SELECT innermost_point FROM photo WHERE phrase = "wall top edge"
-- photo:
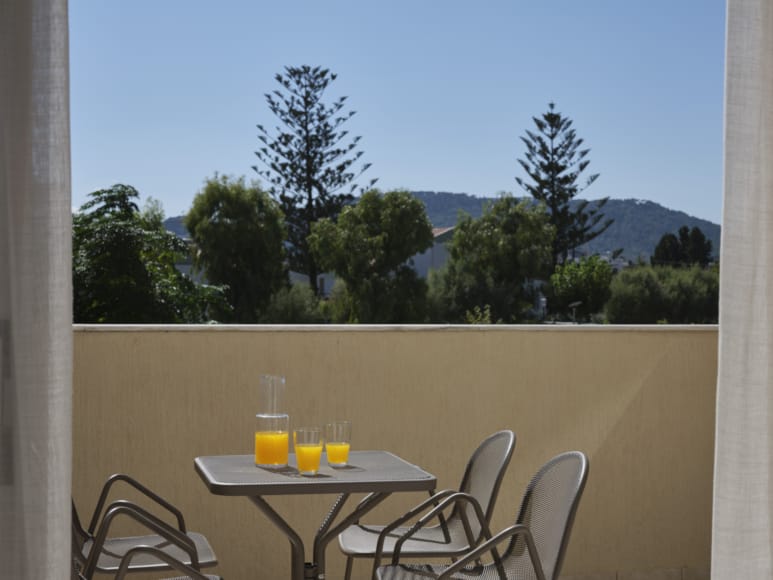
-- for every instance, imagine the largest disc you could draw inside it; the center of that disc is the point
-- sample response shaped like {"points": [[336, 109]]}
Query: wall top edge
{"points": [[607, 328]]}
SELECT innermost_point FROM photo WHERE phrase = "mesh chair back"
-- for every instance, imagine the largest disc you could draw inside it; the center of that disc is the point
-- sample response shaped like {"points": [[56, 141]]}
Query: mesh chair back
{"points": [[485, 471], [548, 509]]}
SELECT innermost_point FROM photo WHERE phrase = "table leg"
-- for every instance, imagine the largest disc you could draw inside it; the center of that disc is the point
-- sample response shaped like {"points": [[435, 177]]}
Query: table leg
{"points": [[297, 556], [325, 534]]}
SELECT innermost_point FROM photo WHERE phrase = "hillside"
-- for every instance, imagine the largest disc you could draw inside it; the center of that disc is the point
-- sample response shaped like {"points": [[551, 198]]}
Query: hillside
{"points": [[638, 225], [637, 228]]}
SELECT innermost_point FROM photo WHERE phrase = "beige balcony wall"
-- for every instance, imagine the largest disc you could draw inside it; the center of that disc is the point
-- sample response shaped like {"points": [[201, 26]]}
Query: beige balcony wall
{"points": [[638, 400]]}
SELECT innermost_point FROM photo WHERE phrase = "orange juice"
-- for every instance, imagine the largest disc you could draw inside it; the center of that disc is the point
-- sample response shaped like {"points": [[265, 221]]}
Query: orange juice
{"points": [[271, 448], [308, 456], [337, 453]]}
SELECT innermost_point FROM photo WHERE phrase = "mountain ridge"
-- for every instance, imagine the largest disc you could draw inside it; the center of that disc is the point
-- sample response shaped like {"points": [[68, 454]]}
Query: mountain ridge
{"points": [[637, 228]]}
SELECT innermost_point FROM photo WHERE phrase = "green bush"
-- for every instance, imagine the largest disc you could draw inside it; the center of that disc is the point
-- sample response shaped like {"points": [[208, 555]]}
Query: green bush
{"points": [[293, 305], [650, 295]]}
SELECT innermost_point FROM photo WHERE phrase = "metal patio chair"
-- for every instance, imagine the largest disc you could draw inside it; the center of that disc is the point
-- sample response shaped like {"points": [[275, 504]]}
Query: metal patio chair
{"points": [[449, 536], [537, 541], [94, 550]]}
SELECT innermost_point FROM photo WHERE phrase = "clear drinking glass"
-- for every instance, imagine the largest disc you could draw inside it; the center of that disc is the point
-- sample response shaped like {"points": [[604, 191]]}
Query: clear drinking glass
{"points": [[338, 437]]}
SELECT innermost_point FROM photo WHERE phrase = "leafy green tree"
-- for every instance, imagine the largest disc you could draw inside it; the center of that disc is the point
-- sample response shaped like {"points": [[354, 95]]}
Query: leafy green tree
{"points": [[554, 162], [584, 283], [294, 304], [124, 265], [238, 234], [648, 295], [309, 163], [370, 249], [690, 247], [492, 261]]}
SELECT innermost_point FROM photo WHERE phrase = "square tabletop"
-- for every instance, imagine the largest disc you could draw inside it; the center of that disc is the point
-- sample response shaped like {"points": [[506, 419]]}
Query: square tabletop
{"points": [[368, 471]]}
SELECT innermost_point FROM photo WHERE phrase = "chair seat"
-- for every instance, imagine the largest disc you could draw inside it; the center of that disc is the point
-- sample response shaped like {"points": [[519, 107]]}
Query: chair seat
{"points": [[115, 548], [207, 576], [425, 571], [359, 540]]}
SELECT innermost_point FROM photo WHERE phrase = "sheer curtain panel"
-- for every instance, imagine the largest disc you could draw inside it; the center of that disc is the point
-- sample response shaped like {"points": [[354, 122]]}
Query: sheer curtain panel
{"points": [[742, 539], [35, 291]]}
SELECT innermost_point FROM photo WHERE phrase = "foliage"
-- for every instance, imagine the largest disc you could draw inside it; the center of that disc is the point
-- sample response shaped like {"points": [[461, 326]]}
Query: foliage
{"points": [[124, 265], [554, 162], [338, 307], [492, 259], [370, 249], [308, 164], [690, 247], [295, 304], [584, 284], [652, 294], [478, 315], [238, 235]]}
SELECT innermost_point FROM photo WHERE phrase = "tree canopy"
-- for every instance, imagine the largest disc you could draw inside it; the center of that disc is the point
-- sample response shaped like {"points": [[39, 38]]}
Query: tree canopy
{"points": [[554, 162], [370, 249], [579, 289], [124, 265], [690, 247], [309, 162], [492, 259], [238, 234]]}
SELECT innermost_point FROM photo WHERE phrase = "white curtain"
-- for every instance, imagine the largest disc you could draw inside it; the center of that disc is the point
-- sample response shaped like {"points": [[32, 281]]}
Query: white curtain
{"points": [[742, 539], [35, 291]]}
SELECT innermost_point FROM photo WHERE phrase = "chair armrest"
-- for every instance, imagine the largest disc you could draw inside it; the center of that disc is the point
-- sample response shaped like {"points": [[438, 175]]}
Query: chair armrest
{"points": [[173, 563], [455, 500], [452, 499], [432, 500], [138, 486], [490, 546], [152, 522]]}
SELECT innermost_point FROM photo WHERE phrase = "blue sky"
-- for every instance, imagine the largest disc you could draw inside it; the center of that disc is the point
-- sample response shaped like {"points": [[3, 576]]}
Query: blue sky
{"points": [[164, 93]]}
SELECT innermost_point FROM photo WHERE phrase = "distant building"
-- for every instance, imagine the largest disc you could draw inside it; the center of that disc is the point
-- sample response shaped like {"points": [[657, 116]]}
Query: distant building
{"points": [[437, 255]]}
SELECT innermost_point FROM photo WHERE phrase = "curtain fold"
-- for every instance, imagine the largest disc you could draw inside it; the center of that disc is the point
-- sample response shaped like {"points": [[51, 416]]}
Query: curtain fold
{"points": [[35, 291], [742, 535]]}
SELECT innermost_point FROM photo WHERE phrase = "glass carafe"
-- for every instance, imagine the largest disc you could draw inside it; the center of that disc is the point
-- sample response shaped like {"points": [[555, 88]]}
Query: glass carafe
{"points": [[272, 424]]}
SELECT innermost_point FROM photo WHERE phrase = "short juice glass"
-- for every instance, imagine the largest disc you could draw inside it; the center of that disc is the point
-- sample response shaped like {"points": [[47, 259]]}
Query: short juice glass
{"points": [[308, 449], [272, 441], [338, 436]]}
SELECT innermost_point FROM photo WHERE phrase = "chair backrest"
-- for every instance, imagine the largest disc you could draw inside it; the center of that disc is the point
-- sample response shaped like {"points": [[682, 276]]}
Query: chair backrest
{"points": [[486, 468], [548, 510]]}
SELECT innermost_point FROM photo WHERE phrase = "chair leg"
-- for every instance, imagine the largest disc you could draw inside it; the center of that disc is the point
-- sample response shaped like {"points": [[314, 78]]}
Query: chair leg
{"points": [[348, 574]]}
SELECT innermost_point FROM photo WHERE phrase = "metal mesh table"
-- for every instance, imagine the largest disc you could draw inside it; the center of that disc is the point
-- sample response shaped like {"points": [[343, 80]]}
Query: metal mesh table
{"points": [[378, 473]]}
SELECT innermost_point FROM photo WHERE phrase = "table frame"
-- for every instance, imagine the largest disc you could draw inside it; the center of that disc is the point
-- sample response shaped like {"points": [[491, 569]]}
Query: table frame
{"points": [[377, 473]]}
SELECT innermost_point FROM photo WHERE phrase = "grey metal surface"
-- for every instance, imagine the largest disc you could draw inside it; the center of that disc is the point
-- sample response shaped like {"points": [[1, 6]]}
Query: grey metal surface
{"points": [[368, 471]]}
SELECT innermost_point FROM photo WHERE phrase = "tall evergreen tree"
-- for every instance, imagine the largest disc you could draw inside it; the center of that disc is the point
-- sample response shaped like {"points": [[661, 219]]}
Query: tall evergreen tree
{"points": [[554, 162], [308, 164]]}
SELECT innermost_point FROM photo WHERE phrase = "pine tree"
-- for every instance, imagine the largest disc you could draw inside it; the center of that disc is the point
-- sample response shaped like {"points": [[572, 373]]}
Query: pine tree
{"points": [[554, 162], [309, 163]]}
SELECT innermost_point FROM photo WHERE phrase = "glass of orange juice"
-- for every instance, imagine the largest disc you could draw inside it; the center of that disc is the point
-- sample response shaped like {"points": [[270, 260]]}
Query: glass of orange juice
{"points": [[308, 449], [271, 440], [338, 436]]}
